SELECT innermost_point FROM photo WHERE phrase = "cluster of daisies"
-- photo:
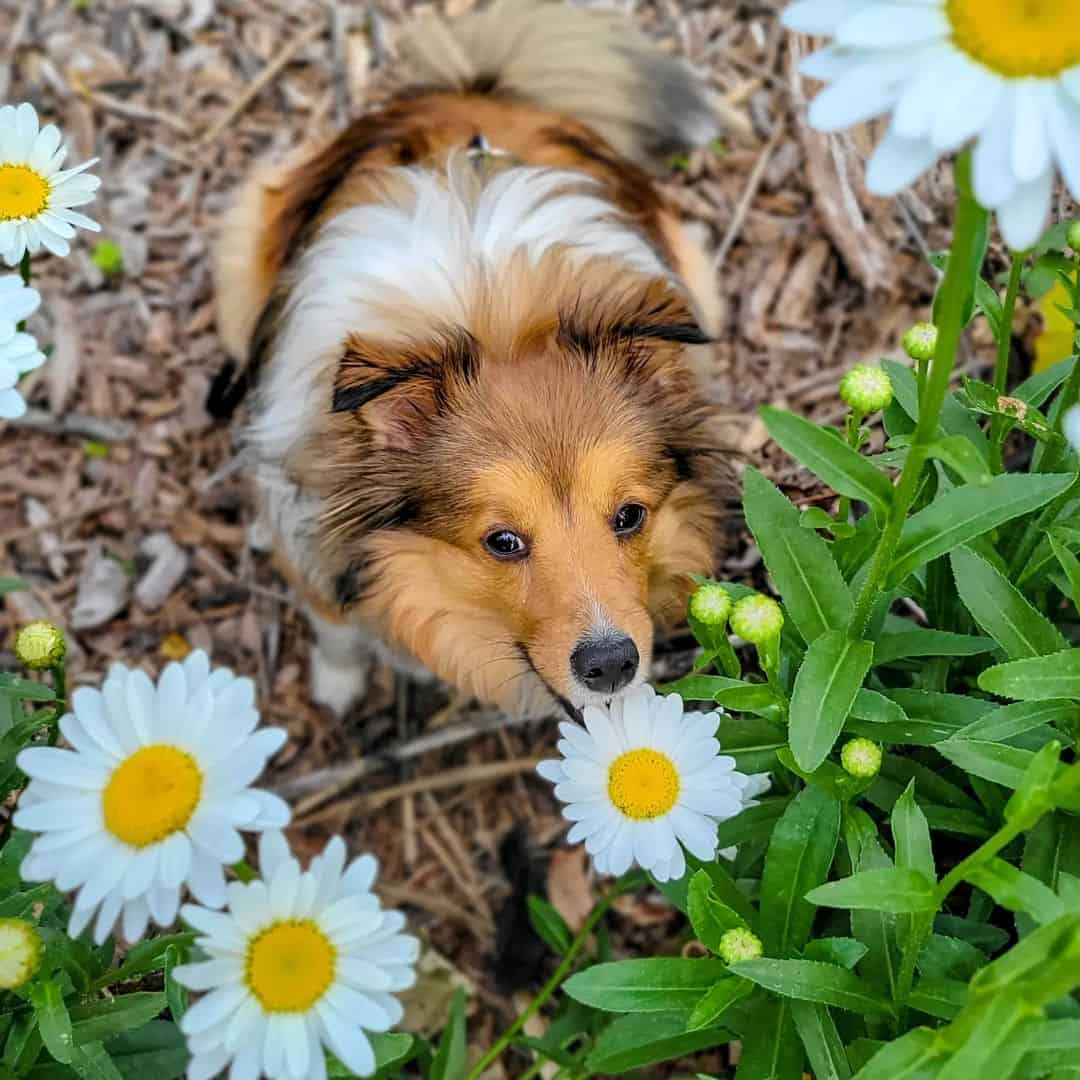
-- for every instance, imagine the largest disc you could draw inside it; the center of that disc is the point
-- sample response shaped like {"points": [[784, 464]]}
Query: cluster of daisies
{"points": [[150, 802], [37, 200]]}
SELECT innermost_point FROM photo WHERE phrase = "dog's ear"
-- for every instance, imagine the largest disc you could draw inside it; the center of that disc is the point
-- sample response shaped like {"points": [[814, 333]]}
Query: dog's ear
{"points": [[398, 391]]}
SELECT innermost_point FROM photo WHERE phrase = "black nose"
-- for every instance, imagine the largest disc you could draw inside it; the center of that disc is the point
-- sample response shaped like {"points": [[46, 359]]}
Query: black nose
{"points": [[606, 665]]}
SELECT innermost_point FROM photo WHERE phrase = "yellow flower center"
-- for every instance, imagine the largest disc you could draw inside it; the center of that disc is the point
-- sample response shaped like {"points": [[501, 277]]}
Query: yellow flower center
{"points": [[643, 784], [290, 965], [1016, 38], [152, 795], [24, 192]]}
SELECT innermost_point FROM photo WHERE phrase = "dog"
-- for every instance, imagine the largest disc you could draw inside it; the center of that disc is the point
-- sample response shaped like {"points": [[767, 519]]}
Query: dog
{"points": [[480, 434]]}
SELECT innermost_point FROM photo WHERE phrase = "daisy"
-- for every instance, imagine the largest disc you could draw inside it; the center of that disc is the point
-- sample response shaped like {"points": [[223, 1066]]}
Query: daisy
{"points": [[299, 962], [19, 353], [642, 780], [36, 195], [151, 796], [1002, 73]]}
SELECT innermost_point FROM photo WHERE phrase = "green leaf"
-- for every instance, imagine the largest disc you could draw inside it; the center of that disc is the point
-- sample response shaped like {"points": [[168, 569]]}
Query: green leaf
{"points": [[973, 932], [53, 1020], [25, 689], [771, 1048], [905, 1058], [845, 470], [876, 708], [754, 823], [845, 951], [716, 1001], [1055, 1044], [809, 980], [392, 1048], [635, 1042], [919, 642], [821, 1040], [966, 512], [710, 917], [894, 889], [149, 956], [550, 926], [731, 693], [450, 1062], [1001, 609], [948, 957], [157, 1050], [911, 836], [1008, 721], [101, 1020], [926, 717], [723, 885], [1070, 564], [178, 996], [92, 1062], [984, 399], [799, 856], [992, 761], [989, 1046], [1034, 794], [1036, 679], [657, 984], [1017, 891], [961, 456], [799, 562], [825, 687], [989, 303], [943, 998], [753, 742]]}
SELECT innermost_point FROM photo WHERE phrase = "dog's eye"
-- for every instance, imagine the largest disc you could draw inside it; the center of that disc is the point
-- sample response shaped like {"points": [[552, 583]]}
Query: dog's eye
{"points": [[507, 545], [628, 519]]}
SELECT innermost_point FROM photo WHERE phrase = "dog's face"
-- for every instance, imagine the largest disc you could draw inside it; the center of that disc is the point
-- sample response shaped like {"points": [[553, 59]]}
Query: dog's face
{"points": [[518, 510]]}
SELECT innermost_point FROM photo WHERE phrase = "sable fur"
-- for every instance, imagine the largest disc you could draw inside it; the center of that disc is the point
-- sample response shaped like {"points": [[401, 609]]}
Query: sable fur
{"points": [[447, 344]]}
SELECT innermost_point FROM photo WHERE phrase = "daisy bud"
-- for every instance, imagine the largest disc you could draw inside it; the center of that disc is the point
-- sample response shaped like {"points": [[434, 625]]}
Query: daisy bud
{"points": [[921, 341], [710, 604], [757, 619], [861, 758], [866, 389], [1070, 427], [108, 257], [739, 944], [1073, 235], [39, 645], [20, 952]]}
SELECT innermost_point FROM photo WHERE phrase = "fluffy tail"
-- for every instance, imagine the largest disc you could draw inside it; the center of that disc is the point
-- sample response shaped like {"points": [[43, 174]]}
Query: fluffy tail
{"points": [[592, 65]]}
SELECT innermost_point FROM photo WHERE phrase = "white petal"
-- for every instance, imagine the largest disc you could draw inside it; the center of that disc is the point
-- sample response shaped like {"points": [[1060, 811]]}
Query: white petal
{"points": [[820, 17], [697, 833], [1031, 144], [975, 95], [273, 851], [861, 94], [212, 1009], [209, 974], [889, 26], [1064, 126], [992, 174], [349, 1044], [62, 767], [175, 859], [1023, 216]]}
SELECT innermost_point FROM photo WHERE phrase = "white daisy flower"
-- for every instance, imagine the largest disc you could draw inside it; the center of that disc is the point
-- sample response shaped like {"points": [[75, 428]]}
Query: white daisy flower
{"points": [[1002, 73], [36, 195], [299, 961], [642, 778], [151, 796], [19, 352], [1070, 426]]}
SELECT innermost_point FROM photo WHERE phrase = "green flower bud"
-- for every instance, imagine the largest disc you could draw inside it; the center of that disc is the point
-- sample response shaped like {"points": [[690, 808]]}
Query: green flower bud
{"points": [[861, 758], [20, 952], [757, 619], [710, 604], [1073, 235], [866, 389], [39, 645], [739, 944], [921, 341], [108, 257]]}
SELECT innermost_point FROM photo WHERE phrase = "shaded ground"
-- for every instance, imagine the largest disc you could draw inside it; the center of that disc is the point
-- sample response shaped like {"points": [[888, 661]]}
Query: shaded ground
{"points": [[118, 466]]}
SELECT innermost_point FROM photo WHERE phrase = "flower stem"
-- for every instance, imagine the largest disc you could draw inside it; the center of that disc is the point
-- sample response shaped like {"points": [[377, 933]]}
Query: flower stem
{"points": [[998, 426], [956, 290], [549, 988], [27, 274]]}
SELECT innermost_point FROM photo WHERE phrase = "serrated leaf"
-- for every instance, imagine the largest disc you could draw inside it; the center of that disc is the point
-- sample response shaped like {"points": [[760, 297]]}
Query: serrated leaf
{"points": [[1070, 564], [822, 1042], [53, 1020], [843, 469], [101, 1020], [657, 984], [1038, 679], [893, 889], [771, 1048], [960, 456], [845, 951], [992, 761], [911, 835], [709, 916], [635, 1042], [1001, 610], [799, 562], [1017, 891], [919, 642], [1008, 721], [831, 675], [799, 856], [965, 513], [943, 998], [716, 1001]]}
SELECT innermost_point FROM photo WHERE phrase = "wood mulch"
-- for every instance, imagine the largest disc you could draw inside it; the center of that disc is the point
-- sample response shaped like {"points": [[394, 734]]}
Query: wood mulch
{"points": [[122, 505]]}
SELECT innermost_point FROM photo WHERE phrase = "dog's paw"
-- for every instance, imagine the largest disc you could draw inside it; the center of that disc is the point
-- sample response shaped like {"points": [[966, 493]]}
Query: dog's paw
{"points": [[335, 686]]}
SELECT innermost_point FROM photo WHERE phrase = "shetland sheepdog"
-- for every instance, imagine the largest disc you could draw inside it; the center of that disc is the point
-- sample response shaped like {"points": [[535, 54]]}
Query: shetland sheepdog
{"points": [[479, 434]]}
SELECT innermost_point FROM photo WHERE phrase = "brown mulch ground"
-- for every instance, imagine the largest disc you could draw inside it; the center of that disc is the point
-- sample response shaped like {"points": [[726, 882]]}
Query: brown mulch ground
{"points": [[122, 506]]}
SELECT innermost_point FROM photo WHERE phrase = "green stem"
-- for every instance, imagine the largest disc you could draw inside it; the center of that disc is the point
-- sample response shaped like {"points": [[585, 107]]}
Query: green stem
{"points": [[27, 274], [956, 290], [999, 428], [550, 986], [243, 871], [984, 853]]}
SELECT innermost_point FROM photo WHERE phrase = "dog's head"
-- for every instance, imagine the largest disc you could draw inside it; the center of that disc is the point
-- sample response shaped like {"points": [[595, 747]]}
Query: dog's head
{"points": [[518, 499]]}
